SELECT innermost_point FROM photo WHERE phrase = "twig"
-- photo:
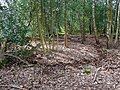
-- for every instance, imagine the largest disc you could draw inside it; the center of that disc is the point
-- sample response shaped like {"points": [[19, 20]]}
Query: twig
{"points": [[17, 58], [95, 76]]}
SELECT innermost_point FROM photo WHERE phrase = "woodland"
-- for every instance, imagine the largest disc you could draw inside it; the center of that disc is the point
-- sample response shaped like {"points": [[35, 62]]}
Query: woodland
{"points": [[59, 44]]}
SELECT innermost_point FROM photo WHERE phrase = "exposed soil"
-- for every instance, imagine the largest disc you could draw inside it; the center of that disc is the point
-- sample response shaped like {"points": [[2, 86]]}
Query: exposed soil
{"points": [[78, 67]]}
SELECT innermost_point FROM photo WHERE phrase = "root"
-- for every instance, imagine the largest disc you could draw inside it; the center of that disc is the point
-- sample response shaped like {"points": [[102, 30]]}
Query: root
{"points": [[17, 58]]}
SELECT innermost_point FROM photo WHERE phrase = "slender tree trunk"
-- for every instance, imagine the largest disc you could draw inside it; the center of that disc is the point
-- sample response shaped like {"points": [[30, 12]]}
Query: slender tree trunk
{"points": [[90, 26], [39, 24], [79, 21], [43, 21], [116, 14], [51, 37], [109, 25], [118, 22], [57, 21], [65, 25], [94, 22], [83, 25], [105, 18], [51, 21], [51, 24], [71, 25], [1, 42]]}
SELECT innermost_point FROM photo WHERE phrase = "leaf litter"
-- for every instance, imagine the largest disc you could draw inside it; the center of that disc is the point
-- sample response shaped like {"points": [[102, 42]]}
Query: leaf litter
{"points": [[65, 70]]}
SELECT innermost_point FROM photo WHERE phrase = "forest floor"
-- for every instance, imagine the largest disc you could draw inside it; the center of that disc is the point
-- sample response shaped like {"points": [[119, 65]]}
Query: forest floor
{"points": [[78, 67]]}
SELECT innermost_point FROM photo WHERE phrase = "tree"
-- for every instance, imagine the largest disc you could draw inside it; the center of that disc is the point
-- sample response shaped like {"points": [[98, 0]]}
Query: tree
{"points": [[57, 21], [65, 24], [109, 25], [71, 17], [51, 24], [83, 23], [94, 22], [118, 22]]}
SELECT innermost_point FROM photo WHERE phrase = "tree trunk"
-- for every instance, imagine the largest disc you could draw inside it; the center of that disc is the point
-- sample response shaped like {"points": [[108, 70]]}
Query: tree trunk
{"points": [[105, 18], [117, 30], [43, 21], [57, 21], [94, 22], [109, 25], [116, 14], [90, 26], [65, 26], [40, 27], [83, 23], [79, 20], [51, 27]]}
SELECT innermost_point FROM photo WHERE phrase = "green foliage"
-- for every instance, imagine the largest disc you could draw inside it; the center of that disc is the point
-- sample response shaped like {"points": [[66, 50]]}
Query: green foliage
{"points": [[14, 26], [87, 71], [61, 32], [19, 20], [3, 62]]}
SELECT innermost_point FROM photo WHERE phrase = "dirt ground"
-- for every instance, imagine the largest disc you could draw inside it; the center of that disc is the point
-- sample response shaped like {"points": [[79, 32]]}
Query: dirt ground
{"points": [[78, 67]]}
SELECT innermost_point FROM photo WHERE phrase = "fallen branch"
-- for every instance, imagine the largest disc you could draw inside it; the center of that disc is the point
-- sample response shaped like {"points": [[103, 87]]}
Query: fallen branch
{"points": [[12, 86], [95, 76], [17, 58]]}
